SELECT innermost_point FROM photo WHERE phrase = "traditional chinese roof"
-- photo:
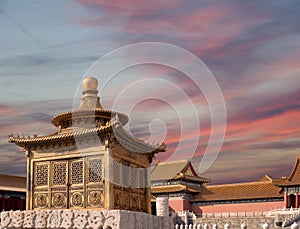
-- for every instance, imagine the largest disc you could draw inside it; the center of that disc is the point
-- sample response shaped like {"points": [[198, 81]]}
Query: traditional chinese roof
{"points": [[293, 179], [12, 183], [176, 170], [88, 122], [262, 189]]}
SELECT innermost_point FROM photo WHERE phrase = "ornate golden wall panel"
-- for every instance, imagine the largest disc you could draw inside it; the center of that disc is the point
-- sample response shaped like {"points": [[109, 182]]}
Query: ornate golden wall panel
{"points": [[72, 183]]}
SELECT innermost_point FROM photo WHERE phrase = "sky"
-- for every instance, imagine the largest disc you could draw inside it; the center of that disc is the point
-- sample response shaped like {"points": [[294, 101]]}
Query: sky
{"points": [[251, 48]]}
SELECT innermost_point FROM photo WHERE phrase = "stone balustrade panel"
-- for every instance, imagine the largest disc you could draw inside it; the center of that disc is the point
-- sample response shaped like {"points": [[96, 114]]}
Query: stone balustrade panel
{"points": [[80, 219]]}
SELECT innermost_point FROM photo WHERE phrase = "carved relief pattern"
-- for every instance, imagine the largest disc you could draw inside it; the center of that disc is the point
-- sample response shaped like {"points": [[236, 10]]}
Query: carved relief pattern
{"points": [[41, 174], [134, 202], [117, 200], [95, 170], [95, 198], [76, 172], [125, 200], [59, 173], [41, 200], [58, 200], [77, 199], [92, 219]]}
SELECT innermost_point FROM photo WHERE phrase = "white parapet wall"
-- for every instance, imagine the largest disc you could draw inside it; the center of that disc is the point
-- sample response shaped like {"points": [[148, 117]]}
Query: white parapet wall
{"points": [[81, 219]]}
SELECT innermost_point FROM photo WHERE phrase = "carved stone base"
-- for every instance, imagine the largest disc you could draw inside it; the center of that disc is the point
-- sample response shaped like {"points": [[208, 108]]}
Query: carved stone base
{"points": [[80, 219]]}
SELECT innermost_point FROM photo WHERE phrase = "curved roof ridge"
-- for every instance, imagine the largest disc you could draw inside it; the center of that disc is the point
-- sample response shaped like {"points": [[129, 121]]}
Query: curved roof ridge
{"points": [[125, 136], [239, 184], [171, 162]]}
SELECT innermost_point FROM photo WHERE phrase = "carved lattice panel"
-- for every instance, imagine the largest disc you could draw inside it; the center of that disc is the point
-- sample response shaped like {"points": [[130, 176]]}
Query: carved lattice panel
{"points": [[116, 172], [134, 177], [95, 170], [59, 173], [76, 173], [41, 174], [142, 173], [126, 175]]}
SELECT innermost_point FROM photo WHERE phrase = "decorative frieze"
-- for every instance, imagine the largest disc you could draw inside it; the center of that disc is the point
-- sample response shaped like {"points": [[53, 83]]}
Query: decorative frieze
{"points": [[80, 219]]}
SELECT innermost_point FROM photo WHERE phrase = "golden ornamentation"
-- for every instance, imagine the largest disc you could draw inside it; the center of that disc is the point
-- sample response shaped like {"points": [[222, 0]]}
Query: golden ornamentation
{"points": [[95, 198], [59, 173], [134, 202], [126, 200], [116, 172], [117, 200], [76, 199], [41, 174], [95, 168], [41, 200], [58, 200], [76, 172]]}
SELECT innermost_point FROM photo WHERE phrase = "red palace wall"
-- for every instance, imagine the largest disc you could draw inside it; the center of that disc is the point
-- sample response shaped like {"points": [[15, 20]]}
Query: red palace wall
{"points": [[179, 204], [238, 207]]}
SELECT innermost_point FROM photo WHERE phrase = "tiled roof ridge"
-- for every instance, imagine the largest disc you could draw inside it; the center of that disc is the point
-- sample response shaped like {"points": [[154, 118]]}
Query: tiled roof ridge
{"points": [[239, 184], [294, 169], [57, 135]]}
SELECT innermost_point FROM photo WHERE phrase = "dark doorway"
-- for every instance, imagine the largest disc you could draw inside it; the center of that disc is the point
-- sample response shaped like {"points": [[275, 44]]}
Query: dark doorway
{"points": [[292, 201]]}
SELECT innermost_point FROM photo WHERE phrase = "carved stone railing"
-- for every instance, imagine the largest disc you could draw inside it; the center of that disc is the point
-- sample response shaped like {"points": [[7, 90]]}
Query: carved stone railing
{"points": [[80, 219]]}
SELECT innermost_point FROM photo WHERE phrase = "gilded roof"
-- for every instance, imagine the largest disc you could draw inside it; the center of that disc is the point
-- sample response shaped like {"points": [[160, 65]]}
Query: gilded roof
{"points": [[293, 179], [239, 191], [57, 120], [12, 183], [114, 126], [175, 170]]}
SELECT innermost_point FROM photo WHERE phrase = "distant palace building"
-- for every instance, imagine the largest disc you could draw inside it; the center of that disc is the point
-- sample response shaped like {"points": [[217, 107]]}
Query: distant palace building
{"points": [[188, 191], [12, 192]]}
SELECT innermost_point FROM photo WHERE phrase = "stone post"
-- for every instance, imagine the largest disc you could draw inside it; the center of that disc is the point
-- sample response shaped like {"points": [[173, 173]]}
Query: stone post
{"points": [[265, 225], [162, 206], [226, 226], [295, 226], [243, 226]]}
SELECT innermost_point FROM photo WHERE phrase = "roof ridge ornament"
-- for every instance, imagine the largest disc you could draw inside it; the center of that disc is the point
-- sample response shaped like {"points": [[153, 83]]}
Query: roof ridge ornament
{"points": [[90, 99]]}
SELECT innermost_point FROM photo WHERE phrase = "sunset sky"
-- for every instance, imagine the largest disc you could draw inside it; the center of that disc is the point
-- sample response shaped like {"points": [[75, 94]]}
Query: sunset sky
{"points": [[252, 48]]}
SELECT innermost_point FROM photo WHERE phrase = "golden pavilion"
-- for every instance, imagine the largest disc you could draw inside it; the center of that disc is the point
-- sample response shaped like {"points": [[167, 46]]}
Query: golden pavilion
{"points": [[89, 162]]}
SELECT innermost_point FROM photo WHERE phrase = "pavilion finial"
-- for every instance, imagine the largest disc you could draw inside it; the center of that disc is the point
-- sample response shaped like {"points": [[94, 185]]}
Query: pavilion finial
{"points": [[90, 99]]}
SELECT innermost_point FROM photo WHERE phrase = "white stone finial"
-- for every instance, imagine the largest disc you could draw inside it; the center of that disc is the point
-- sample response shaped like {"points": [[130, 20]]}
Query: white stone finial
{"points": [[90, 99], [90, 83]]}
